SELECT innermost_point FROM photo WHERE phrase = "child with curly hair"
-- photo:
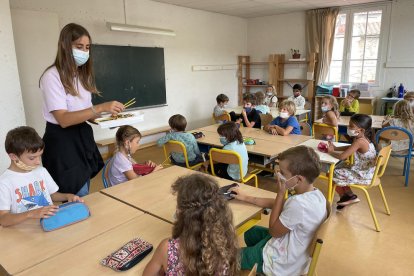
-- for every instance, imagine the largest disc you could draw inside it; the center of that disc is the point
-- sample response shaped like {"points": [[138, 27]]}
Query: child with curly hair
{"points": [[203, 239]]}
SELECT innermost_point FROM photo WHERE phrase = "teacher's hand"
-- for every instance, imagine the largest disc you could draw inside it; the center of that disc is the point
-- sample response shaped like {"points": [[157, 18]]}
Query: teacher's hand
{"points": [[112, 107]]}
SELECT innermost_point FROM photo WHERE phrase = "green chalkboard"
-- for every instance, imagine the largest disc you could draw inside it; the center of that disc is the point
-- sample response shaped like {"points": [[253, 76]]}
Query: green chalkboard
{"points": [[126, 72]]}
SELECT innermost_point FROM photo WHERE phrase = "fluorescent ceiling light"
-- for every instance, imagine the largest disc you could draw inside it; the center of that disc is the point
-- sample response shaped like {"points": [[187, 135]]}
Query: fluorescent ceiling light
{"points": [[139, 29]]}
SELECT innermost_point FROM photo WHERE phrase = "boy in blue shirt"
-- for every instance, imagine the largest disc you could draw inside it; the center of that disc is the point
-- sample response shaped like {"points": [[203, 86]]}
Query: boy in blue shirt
{"points": [[286, 123]]}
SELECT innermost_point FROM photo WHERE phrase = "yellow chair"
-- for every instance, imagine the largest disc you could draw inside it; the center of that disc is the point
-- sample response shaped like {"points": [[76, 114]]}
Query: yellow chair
{"points": [[380, 165], [230, 157], [266, 119], [223, 117], [320, 129], [178, 147], [308, 106], [317, 242]]}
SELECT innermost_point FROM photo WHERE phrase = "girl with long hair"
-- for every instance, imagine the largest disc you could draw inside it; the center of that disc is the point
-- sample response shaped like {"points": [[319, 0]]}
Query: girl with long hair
{"points": [[71, 155], [203, 239]]}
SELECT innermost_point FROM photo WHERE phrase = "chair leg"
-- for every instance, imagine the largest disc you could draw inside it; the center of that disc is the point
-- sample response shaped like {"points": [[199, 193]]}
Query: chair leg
{"points": [[377, 227], [405, 168], [256, 183], [387, 209], [407, 171]]}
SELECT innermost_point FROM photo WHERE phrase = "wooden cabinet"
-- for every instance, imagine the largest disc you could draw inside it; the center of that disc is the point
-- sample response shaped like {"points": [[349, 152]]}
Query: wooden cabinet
{"points": [[366, 106]]}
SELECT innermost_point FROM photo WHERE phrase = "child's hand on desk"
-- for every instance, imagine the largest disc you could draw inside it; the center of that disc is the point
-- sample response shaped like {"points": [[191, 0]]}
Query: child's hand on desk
{"points": [[150, 163], [73, 198], [43, 212], [238, 194], [157, 168]]}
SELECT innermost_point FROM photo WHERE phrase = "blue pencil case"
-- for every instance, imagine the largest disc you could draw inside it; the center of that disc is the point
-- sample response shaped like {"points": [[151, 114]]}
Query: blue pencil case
{"points": [[68, 213]]}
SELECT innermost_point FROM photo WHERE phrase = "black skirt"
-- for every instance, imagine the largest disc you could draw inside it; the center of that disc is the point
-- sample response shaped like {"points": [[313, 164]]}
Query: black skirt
{"points": [[71, 156]]}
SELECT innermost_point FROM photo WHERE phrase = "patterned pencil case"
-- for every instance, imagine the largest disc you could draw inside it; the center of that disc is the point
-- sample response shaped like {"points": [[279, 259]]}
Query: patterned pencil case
{"points": [[142, 169], [128, 255], [68, 213]]}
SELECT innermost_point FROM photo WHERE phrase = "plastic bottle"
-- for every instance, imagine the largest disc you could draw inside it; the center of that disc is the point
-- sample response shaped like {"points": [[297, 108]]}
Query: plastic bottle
{"points": [[400, 91]]}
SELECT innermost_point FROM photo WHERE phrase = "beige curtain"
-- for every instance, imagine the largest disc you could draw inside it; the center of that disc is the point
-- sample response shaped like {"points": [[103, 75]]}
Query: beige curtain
{"points": [[320, 32]]}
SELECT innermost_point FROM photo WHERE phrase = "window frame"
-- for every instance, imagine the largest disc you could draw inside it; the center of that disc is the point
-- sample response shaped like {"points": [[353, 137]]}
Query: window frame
{"points": [[349, 11]]}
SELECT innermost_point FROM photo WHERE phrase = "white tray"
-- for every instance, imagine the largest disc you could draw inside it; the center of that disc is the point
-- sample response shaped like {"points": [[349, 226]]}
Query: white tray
{"points": [[138, 117]]}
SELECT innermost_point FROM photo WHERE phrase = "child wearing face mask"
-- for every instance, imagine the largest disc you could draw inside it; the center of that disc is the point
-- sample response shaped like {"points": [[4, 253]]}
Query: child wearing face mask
{"points": [[282, 249], [27, 190], [121, 166], [271, 98], [249, 116], [329, 107], [362, 170], [178, 123], [286, 123], [297, 97], [232, 139]]}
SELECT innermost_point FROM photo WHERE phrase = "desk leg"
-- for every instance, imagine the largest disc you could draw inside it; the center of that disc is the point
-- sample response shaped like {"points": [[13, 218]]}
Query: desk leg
{"points": [[330, 181]]}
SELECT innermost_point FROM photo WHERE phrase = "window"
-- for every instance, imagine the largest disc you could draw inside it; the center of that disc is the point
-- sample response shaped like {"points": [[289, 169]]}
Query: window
{"points": [[356, 49]]}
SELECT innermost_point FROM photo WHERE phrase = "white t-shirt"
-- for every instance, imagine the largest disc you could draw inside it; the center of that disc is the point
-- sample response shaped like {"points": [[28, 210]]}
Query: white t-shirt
{"points": [[299, 101], [302, 215], [270, 99], [21, 192]]}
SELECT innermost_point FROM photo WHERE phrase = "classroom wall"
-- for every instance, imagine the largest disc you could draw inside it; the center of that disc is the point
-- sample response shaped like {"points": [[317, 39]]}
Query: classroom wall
{"points": [[11, 102], [203, 38], [280, 33]]}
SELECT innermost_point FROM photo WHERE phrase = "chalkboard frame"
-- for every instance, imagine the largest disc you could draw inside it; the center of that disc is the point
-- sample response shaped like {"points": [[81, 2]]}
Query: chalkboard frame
{"points": [[139, 72]]}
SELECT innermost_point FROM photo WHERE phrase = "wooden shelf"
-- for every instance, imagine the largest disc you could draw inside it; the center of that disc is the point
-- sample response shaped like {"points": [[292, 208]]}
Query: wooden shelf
{"points": [[255, 63], [295, 80], [295, 62], [254, 85]]}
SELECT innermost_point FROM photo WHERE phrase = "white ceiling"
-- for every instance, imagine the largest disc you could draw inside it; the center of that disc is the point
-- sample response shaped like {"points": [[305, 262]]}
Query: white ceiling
{"points": [[257, 8]]}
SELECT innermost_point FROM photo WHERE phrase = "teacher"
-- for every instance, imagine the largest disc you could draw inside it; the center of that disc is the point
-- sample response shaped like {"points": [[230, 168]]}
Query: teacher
{"points": [[71, 155]]}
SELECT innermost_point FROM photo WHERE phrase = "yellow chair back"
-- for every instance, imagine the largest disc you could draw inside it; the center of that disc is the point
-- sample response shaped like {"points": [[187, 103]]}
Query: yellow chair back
{"points": [[177, 147], [223, 117], [320, 129], [229, 157]]}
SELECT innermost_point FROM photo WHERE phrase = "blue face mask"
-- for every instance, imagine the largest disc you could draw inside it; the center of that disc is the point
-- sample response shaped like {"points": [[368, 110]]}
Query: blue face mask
{"points": [[80, 56], [248, 109], [223, 141]]}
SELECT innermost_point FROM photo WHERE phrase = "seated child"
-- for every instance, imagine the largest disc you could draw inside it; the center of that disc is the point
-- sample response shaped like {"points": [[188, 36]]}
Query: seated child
{"points": [[350, 105], [261, 105], [271, 98], [232, 139], [403, 117], [203, 240], [27, 190], [365, 155], [282, 249], [249, 116], [121, 170], [409, 96], [286, 123], [178, 123], [329, 107], [222, 100], [297, 97]]}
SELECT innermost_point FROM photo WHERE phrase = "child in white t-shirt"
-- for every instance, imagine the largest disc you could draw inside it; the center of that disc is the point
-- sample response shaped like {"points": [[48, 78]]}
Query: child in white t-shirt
{"points": [[297, 97], [282, 249], [271, 98], [27, 190], [121, 165]]}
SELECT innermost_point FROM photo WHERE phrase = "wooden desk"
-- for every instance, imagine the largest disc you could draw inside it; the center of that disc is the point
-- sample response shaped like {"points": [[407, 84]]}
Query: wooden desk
{"points": [[344, 121], [85, 258], [327, 159], [273, 111], [263, 152], [26, 245], [152, 194], [256, 133]]}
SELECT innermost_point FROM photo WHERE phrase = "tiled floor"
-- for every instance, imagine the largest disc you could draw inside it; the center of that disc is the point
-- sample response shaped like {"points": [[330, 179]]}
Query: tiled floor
{"points": [[352, 246]]}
